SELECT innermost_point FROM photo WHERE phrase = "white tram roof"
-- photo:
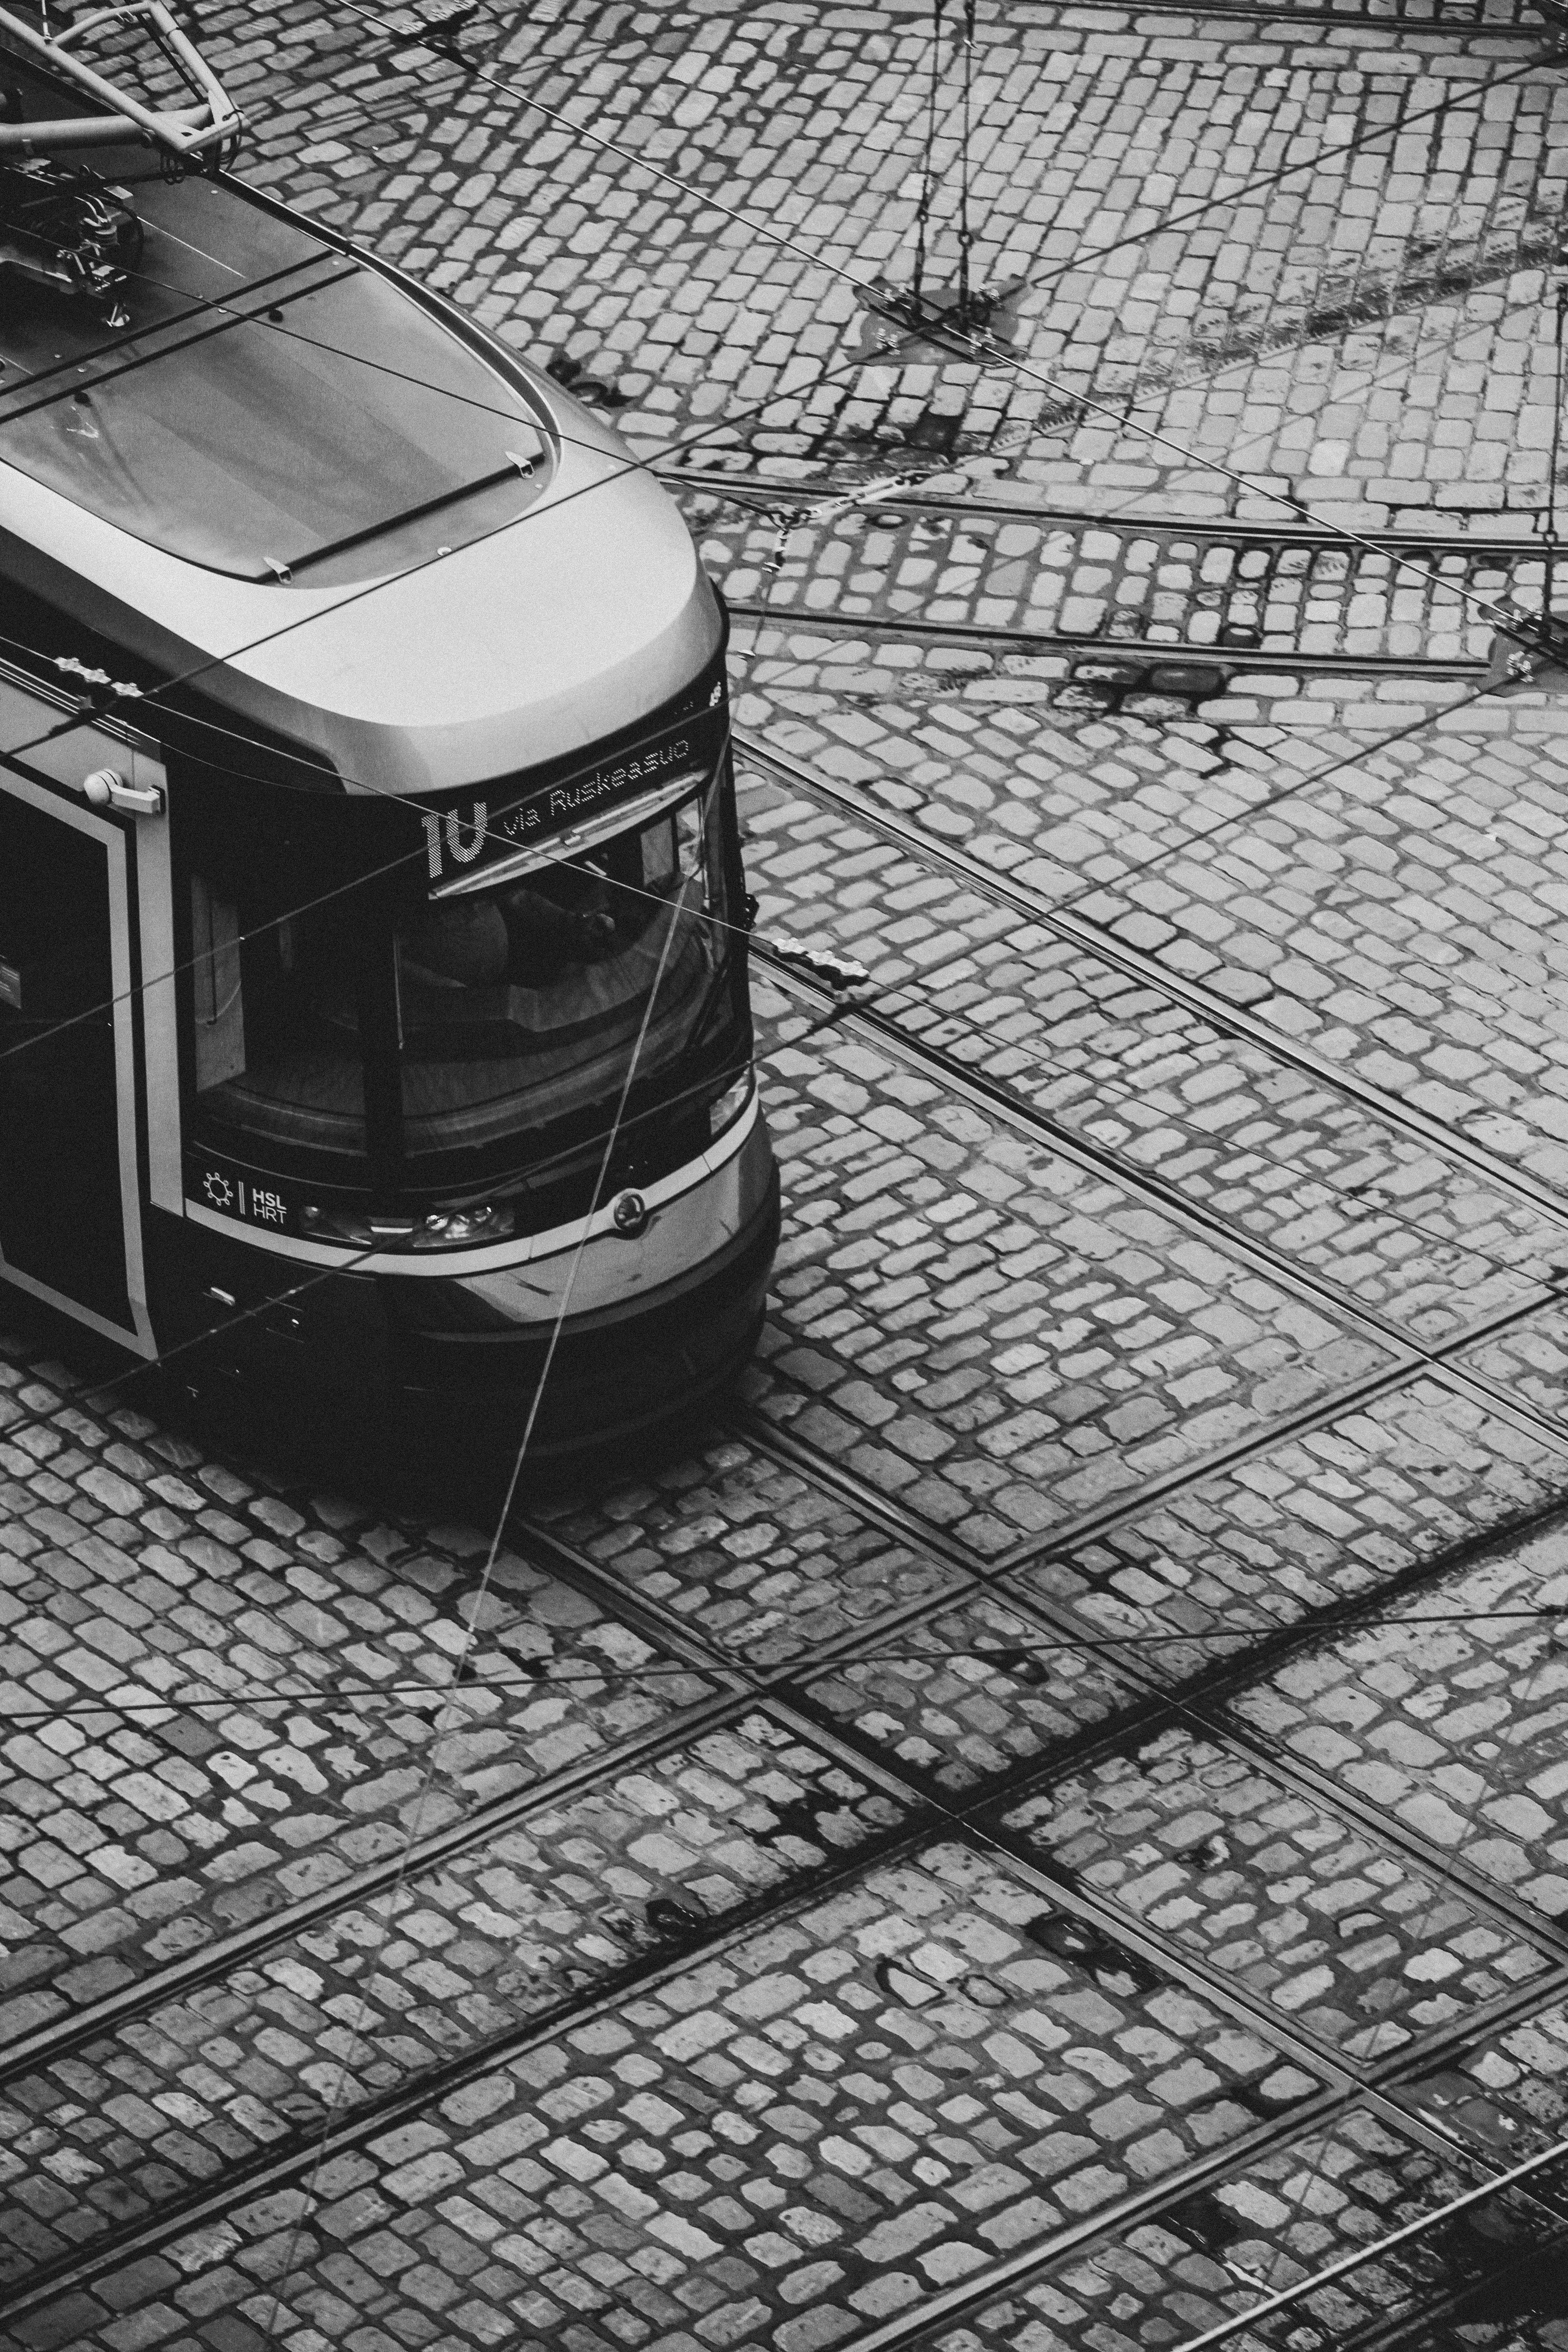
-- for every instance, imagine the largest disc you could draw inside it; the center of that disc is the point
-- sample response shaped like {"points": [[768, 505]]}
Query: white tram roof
{"points": [[280, 406]]}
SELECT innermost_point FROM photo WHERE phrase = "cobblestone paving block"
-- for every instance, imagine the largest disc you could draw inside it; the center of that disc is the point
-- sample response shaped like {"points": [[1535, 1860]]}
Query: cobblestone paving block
{"points": [[134, 1573], [1417, 1238], [1506, 2095], [1403, 918], [387, 1990], [781, 2144], [990, 1334], [1529, 1361], [1277, 2218], [1075, 775], [1436, 416], [815, 129], [970, 1696], [746, 1550], [1324, 1519], [1314, 1915], [1106, 582], [1452, 1731], [1534, 2325]]}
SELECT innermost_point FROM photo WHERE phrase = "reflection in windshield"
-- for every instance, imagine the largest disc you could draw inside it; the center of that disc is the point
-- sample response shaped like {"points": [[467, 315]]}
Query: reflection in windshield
{"points": [[483, 1020], [519, 1005]]}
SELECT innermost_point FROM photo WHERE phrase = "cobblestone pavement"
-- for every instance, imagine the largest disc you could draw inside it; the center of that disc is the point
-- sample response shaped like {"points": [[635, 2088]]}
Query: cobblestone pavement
{"points": [[1085, 131], [195, 1801], [1268, 2223], [1111, 582], [923, 1247], [1042, 1821], [1397, 915]]}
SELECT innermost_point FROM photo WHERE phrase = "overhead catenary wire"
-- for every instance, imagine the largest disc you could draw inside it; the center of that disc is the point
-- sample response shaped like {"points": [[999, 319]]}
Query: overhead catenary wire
{"points": [[476, 1600], [1295, 785], [961, 341], [467, 1683], [1364, 752], [217, 660]]}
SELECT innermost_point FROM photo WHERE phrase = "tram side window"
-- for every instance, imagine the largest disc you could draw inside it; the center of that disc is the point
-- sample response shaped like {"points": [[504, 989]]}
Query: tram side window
{"points": [[275, 1005], [219, 1000]]}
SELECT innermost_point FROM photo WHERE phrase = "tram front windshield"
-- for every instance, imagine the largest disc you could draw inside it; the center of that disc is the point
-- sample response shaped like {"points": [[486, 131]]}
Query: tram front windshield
{"points": [[504, 1016], [525, 1000]]}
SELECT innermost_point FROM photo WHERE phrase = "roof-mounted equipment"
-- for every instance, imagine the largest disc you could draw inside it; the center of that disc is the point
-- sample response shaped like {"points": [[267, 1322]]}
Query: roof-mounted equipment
{"points": [[203, 132]]}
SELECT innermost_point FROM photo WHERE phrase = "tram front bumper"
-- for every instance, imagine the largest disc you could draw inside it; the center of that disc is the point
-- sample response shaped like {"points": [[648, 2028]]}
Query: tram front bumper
{"points": [[624, 1333], [610, 1365]]}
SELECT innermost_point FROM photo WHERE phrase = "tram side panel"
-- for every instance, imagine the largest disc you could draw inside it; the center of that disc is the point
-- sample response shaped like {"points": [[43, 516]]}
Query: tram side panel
{"points": [[83, 923]]}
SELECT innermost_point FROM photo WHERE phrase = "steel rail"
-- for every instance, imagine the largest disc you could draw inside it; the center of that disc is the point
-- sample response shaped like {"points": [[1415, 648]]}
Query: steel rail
{"points": [[924, 1818], [922, 1815], [666, 1630], [786, 618], [1361, 2256], [1199, 1702], [838, 497], [1137, 963], [1001, 1101], [1399, 19], [920, 1809], [668, 1633]]}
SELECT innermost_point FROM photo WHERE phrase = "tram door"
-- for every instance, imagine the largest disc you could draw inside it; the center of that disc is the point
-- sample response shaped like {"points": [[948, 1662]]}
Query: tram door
{"points": [[69, 1216]]}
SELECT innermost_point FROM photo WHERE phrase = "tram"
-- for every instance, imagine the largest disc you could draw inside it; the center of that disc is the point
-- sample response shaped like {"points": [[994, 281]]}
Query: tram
{"points": [[373, 928]]}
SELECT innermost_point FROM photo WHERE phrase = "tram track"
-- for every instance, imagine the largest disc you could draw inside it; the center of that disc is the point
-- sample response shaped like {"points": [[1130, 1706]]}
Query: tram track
{"points": [[1148, 652], [1020, 503], [1366, 15], [666, 1629], [1372, 2087], [1372, 2090], [669, 1633], [750, 1695], [925, 1818], [999, 1100], [742, 1686], [1196, 1701], [922, 1816], [1001, 889], [1017, 576], [413, 2099]]}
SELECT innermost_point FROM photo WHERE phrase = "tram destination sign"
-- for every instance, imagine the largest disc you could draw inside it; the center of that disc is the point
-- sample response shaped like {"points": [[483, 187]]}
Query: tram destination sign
{"points": [[477, 832]]}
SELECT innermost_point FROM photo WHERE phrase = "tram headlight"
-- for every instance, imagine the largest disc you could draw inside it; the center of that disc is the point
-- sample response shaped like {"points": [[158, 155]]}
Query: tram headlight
{"points": [[465, 1228], [726, 1108]]}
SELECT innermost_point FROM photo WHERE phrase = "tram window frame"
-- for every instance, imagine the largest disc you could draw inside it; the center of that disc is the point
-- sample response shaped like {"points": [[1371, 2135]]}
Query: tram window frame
{"points": [[215, 828], [228, 844], [703, 848]]}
